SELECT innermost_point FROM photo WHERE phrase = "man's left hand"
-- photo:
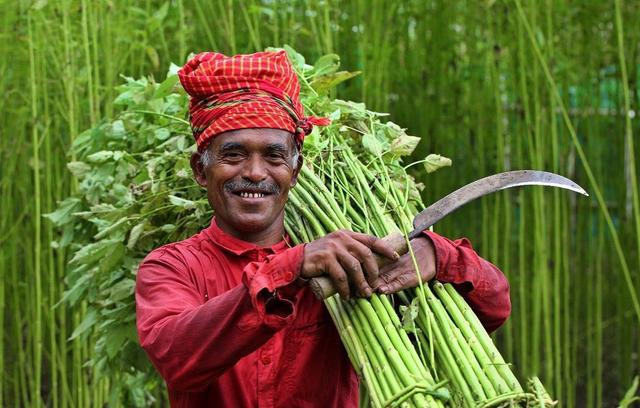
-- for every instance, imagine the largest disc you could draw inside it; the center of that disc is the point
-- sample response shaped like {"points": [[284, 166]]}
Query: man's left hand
{"points": [[401, 274]]}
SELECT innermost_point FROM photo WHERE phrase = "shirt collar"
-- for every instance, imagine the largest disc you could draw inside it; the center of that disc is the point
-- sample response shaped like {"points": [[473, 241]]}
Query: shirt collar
{"points": [[238, 246]]}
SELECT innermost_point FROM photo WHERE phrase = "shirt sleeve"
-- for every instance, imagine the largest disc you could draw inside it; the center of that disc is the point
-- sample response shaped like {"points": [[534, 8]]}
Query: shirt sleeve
{"points": [[482, 284], [192, 341]]}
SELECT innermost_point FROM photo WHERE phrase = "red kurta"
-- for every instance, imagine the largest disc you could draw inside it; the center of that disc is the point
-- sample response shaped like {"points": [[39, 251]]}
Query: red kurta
{"points": [[206, 322]]}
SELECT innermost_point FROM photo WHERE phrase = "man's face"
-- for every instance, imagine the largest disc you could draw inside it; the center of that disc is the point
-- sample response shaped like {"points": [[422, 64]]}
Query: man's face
{"points": [[248, 178]]}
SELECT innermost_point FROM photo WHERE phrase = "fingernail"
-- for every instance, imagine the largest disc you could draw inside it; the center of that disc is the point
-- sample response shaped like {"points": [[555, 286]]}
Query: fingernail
{"points": [[396, 255], [367, 292], [384, 288]]}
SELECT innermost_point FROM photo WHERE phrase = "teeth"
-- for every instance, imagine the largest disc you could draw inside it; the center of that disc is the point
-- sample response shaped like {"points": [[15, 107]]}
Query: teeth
{"points": [[251, 195]]}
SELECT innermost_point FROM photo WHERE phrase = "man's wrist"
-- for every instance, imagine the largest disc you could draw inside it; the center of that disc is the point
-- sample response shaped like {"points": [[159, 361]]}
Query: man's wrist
{"points": [[426, 256]]}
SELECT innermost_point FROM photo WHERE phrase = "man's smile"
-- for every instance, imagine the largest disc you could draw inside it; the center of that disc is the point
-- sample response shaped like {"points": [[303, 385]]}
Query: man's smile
{"points": [[245, 194], [251, 193]]}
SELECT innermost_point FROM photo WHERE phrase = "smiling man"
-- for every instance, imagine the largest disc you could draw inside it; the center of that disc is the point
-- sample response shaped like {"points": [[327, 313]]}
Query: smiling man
{"points": [[225, 316]]}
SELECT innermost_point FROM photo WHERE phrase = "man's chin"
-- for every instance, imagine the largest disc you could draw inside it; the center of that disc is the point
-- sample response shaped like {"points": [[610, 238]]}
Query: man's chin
{"points": [[251, 223]]}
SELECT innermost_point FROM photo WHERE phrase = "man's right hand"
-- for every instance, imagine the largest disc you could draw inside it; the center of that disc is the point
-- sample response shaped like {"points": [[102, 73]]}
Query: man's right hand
{"points": [[347, 258]]}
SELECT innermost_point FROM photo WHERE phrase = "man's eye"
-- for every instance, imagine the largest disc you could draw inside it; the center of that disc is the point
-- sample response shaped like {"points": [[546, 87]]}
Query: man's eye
{"points": [[232, 155]]}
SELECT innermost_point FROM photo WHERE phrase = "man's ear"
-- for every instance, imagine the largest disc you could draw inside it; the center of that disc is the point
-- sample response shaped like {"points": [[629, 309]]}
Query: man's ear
{"points": [[198, 169], [296, 171]]}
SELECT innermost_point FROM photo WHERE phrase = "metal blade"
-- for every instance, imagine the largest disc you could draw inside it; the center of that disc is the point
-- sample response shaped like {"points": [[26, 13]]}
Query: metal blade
{"points": [[448, 204]]}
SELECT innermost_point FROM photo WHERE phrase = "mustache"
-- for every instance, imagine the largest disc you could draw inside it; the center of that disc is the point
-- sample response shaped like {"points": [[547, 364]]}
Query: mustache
{"points": [[234, 186]]}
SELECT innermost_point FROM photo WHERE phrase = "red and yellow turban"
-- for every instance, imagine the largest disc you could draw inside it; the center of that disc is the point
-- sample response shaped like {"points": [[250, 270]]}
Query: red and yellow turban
{"points": [[258, 90]]}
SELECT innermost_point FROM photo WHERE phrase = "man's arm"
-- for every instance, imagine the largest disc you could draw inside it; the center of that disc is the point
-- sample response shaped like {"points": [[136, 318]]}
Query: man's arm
{"points": [[190, 341], [482, 284]]}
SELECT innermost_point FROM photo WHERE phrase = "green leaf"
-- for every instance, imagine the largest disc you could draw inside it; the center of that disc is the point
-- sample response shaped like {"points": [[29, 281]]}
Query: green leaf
{"points": [[630, 396], [39, 4], [353, 110], [161, 134], [78, 169], [182, 203], [64, 213], [327, 64], [173, 71], [409, 315], [90, 253], [372, 144], [112, 257], [434, 162], [166, 87], [114, 340], [122, 290], [297, 60], [152, 53], [324, 83], [168, 228], [335, 115], [135, 233], [118, 130], [76, 292], [87, 323], [404, 145], [100, 157], [120, 224]]}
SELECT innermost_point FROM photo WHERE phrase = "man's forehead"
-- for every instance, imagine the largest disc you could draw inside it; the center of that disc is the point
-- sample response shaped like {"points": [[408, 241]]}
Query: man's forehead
{"points": [[253, 138]]}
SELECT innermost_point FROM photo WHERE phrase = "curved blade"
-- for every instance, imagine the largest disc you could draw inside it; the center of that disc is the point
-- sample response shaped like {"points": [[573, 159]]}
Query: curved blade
{"points": [[448, 204]]}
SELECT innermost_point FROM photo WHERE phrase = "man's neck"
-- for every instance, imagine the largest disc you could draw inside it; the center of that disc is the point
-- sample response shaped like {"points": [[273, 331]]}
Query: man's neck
{"points": [[264, 238]]}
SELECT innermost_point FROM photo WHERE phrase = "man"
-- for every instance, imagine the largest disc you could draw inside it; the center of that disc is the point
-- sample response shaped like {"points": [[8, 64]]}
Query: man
{"points": [[225, 316]]}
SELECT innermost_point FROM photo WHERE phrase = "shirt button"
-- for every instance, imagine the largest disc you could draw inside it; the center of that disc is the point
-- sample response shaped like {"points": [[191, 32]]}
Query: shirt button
{"points": [[288, 276], [266, 360]]}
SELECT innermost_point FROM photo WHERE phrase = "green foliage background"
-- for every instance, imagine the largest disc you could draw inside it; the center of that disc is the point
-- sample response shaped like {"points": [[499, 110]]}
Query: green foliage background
{"points": [[466, 77]]}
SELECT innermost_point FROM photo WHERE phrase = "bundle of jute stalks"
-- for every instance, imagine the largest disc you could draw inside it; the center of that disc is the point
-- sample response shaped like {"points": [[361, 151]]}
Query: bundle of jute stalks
{"points": [[438, 353]]}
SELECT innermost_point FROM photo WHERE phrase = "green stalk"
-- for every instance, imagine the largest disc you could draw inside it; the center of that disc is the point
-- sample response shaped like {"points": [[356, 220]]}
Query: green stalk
{"points": [[556, 226], [392, 347], [497, 385], [315, 225], [304, 189], [348, 340], [381, 386], [87, 60], [587, 168], [204, 22], [313, 180], [522, 246], [314, 208], [35, 142], [489, 348], [394, 335], [630, 161], [446, 327], [391, 314], [378, 354], [446, 356], [252, 30]]}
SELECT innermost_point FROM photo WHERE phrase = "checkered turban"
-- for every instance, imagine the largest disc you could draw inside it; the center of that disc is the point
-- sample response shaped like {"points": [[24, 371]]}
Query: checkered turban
{"points": [[258, 90]]}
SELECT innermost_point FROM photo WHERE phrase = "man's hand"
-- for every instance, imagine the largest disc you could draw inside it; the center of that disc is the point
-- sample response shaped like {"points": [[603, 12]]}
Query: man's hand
{"points": [[348, 259], [402, 274]]}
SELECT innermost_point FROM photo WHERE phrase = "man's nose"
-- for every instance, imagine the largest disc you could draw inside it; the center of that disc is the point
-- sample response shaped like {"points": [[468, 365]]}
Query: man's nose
{"points": [[254, 169]]}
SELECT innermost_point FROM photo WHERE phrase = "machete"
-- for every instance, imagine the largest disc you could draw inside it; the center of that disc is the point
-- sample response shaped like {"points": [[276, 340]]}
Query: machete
{"points": [[322, 286]]}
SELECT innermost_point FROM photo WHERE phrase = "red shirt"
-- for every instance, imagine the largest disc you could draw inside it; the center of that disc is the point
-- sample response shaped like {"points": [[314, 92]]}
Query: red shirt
{"points": [[207, 320]]}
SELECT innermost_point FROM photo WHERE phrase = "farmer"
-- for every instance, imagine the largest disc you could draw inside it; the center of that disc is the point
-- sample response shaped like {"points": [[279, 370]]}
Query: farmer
{"points": [[225, 316]]}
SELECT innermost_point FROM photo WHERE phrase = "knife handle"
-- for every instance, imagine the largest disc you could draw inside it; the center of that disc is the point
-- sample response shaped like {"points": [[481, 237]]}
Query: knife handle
{"points": [[322, 286]]}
